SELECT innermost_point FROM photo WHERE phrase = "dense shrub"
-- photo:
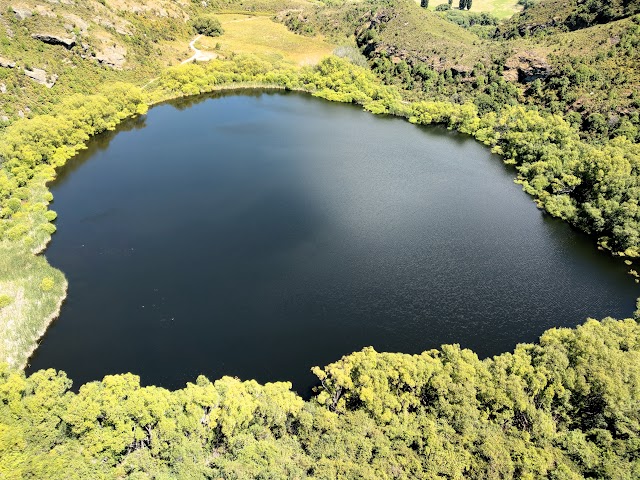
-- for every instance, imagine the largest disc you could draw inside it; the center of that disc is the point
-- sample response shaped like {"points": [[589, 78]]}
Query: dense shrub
{"points": [[209, 26], [567, 408]]}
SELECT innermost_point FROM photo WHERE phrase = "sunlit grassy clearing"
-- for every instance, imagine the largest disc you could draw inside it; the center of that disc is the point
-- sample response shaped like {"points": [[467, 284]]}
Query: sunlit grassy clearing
{"points": [[499, 8], [262, 36]]}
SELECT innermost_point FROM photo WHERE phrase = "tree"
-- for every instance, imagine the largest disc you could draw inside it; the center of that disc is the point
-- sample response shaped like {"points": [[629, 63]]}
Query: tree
{"points": [[424, 3], [209, 26]]}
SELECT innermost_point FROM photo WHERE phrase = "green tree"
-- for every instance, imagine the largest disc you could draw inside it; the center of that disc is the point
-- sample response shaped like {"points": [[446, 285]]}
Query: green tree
{"points": [[209, 26]]}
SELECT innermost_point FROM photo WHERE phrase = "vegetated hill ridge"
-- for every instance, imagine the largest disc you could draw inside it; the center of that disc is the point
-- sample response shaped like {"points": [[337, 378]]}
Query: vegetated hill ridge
{"points": [[544, 15], [404, 31]]}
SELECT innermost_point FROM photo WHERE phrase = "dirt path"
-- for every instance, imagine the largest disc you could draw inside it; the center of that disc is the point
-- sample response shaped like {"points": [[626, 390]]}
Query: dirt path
{"points": [[198, 55]]}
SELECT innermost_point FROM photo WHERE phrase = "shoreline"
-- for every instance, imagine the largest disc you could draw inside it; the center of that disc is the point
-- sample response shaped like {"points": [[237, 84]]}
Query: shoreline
{"points": [[46, 324], [40, 249], [161, 96]]}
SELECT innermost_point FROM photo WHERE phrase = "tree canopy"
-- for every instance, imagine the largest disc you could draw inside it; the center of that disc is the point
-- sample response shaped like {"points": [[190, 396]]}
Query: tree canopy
{"points": [[566, 408]]}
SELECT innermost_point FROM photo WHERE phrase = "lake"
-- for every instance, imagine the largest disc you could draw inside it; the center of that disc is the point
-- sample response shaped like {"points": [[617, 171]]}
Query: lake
{"points": [[258, 234]]}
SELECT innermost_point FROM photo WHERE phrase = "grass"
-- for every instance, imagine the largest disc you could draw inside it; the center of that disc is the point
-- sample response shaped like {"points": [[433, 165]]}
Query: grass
{"points": [[500, 8], [261, 36], [35, 291]]}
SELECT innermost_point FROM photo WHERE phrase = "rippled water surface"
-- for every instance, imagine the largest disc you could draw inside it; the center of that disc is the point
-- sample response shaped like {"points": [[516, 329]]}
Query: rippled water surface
{"points": [[259, 234]]}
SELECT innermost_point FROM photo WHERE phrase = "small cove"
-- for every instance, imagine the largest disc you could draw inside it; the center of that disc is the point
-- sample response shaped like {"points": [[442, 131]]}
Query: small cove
{"points": [[259, 234]]}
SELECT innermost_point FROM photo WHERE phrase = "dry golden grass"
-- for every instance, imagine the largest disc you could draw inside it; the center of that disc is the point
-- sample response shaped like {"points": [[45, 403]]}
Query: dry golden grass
{"points": [[260, 35], [499, 8]]}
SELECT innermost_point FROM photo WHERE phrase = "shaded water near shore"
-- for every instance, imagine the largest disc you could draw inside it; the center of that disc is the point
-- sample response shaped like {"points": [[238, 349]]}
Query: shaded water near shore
{"points": [[259, 234]]}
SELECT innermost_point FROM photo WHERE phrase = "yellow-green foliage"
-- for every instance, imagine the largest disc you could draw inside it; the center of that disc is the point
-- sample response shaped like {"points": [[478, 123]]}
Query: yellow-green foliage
{"points": [[5, 300], [593, 187], [30, 152], [567, 408], [32, 149]]}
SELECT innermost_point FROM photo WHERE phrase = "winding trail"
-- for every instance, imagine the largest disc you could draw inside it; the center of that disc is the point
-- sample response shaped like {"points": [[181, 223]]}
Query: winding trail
{"points": [[198, 55]]}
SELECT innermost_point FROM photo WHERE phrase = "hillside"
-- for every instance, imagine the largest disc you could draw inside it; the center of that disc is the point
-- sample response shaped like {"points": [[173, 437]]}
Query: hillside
{"points": [[51, 49], [562, 15], [589, 75]]}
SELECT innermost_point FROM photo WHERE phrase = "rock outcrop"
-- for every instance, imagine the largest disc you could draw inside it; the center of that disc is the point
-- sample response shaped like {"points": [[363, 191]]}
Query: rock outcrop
{"points": [[45, 11], [21, 12], [6, 63], [41, 77], [113, 56], [73, 21], [526, 67], [51, 39]]}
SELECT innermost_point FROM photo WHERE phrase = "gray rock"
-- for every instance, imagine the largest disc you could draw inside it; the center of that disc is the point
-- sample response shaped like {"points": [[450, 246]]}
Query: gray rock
{"points": [[45, 11], [3, 88], [41, 77], [51, 39], [6, 63], [4, 118], [74, 21], [526, 67], [21, 12], [112, 56]]}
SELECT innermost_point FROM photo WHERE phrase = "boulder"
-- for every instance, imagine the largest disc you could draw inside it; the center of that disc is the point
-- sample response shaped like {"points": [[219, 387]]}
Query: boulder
{"points": [[3, 88], [51, 39], [45, 11], [21, 12], [41, 77], [6, 63], [74, 21], [113, 56]]}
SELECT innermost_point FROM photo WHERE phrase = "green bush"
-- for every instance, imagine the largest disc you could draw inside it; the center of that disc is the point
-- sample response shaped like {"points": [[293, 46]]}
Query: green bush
{"points": [[47, 284], [209, 26], [5, 300]]}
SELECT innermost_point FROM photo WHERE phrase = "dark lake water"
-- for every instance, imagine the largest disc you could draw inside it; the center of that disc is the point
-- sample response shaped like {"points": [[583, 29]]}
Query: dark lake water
{"points": [[259, 234]]}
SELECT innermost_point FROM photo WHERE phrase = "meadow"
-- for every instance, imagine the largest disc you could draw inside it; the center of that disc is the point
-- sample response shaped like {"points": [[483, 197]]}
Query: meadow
{"points": [[261, 36]]}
